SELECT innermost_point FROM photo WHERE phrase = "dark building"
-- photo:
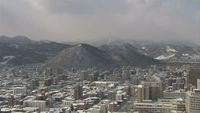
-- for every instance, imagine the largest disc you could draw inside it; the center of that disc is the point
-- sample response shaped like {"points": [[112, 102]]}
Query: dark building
{"points": [[48, 82], [11, 101], [84, 75], [78, 92], [154, 93], [194, 74], [34, 84]]}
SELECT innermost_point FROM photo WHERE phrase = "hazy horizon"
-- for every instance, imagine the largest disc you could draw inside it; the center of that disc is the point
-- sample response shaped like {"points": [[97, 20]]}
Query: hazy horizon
{"points": [[99, 20]]}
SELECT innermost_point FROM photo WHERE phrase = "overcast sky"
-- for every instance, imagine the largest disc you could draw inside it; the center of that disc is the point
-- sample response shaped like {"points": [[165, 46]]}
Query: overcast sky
{"points": [[82, 20]]}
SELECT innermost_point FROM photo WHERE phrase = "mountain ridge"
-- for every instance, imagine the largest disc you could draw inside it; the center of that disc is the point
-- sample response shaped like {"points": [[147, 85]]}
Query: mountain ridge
{"points": [[81, 55], [21, 50], [85, 55]]}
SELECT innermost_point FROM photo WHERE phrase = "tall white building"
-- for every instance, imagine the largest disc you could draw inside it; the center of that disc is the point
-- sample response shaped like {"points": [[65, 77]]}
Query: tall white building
{"points": [[193, 101]]}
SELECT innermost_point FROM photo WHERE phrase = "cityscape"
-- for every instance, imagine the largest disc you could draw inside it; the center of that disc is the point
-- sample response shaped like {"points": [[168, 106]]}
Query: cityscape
{"points": [[99, 56], [79, 80]]}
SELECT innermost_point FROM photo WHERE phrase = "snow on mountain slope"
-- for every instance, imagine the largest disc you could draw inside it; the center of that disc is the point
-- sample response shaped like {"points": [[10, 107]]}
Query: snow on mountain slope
{"points": [[162, 57], [7, 59]]}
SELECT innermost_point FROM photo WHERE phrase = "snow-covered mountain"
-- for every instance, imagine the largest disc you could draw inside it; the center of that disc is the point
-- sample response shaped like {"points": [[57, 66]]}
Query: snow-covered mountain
{"points": [[84, 56], [170, 52]]}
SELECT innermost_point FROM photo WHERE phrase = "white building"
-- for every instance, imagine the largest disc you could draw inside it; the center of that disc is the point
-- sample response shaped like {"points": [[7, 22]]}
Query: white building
{"points": [[19, 90], [154, 107]]}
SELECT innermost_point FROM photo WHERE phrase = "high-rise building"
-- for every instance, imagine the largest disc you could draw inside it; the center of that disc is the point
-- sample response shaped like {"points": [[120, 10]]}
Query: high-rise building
{"points": [[84, 75], [140, 93], [193, 101], [152, 90], [149, 91], [193, 75], [154, 93], [78, 92]]}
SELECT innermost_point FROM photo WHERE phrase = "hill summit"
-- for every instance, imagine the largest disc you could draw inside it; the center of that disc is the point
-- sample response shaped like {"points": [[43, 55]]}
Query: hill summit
{"points": [[84, 55]]}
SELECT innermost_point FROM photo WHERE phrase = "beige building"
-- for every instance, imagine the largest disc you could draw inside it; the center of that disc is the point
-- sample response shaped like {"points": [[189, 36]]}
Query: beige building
{"points": [[41, 105], [198, 83], [154, 107], [174, 94], [193, 101], [161, 106], [149, 91], [140, 93]]}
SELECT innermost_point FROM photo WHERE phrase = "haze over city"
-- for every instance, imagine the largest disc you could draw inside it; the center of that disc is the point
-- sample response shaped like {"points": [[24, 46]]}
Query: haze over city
{"points": [[91, 20], [99, 56]]}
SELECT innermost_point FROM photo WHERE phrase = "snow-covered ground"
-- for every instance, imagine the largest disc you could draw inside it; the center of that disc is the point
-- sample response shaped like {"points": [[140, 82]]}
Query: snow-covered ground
{"points": [[168, 49], [162, 57], [7, 59], [195, 57], [143, 48]]}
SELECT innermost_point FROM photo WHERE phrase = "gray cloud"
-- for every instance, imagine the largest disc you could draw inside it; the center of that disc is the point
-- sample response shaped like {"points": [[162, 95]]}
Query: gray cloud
{"points": [[83, 20], [80, 7]]}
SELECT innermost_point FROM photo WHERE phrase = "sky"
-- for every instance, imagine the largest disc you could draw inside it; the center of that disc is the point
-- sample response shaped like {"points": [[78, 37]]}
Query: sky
{"points": [[96, 20]]}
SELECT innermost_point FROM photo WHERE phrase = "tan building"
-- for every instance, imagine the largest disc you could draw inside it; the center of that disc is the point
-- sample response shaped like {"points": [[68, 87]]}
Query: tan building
{"points": [[36, 103], [198, 83], [174, 94], [193, 101], [140, 93], [161, 106], [154, 107]]}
